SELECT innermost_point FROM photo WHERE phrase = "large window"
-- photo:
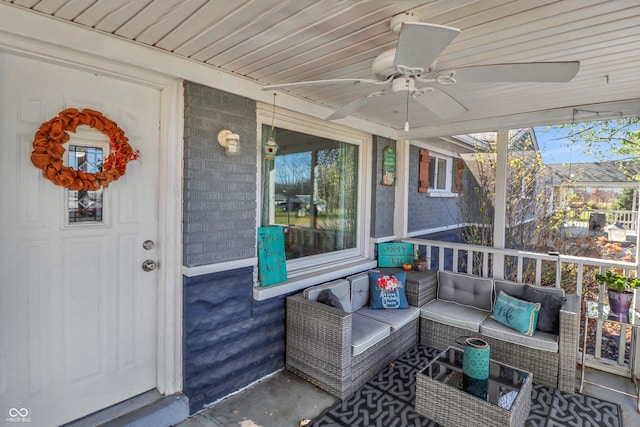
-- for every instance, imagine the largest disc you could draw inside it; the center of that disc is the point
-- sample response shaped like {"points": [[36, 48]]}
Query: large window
{"points": [[311, 189]]}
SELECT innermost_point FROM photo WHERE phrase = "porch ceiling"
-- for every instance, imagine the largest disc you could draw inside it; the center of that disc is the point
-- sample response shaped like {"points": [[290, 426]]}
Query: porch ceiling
{"points": [[278, 41]]}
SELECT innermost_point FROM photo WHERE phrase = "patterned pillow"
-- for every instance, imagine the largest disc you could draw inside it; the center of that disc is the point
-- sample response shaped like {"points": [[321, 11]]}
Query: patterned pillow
{"points": [[516, 314], [387, 290]]}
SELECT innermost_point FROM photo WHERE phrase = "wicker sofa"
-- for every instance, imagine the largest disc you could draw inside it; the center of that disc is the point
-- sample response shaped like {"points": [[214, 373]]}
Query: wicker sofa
{"points": [[462, 307], [340, 350]]}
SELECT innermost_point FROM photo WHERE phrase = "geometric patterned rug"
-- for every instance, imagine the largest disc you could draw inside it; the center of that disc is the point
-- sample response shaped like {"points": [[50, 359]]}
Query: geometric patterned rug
{"points": [[387, 400]]}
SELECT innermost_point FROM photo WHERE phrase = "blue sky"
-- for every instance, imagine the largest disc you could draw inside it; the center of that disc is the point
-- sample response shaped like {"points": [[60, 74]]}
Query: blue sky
{"points": [[555, 147]]}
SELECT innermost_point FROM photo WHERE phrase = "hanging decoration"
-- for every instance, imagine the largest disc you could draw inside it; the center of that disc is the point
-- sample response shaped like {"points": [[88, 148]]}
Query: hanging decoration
{"points": [[270, 148], [48, 151], [388, 166]]}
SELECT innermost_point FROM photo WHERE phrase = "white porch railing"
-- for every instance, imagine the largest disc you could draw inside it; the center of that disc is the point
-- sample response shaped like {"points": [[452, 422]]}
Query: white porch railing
{"points": [[513, 265]]}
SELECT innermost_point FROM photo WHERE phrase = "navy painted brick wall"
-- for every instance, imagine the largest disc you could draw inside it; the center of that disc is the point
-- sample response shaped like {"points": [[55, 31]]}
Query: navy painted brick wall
{"points": [[230, 340]]}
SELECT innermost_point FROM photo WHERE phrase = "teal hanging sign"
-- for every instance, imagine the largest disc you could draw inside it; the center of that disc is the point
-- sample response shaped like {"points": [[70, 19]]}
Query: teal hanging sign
{"points": [[272, 263], [395, 254]]}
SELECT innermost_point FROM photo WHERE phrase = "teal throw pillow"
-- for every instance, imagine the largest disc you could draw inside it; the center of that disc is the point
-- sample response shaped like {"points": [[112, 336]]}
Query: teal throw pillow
{"points": [[387, 290], [516, 313]]}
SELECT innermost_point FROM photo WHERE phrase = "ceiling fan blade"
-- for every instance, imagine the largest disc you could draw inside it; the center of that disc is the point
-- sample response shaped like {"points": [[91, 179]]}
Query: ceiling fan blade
{"points": [[420, 44], [323, 82], [522, 72], [438, 102], [352, 106]]}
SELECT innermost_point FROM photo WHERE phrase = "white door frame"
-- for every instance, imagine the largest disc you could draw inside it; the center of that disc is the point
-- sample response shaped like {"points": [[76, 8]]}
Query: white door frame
{"points": [[169, 302]]}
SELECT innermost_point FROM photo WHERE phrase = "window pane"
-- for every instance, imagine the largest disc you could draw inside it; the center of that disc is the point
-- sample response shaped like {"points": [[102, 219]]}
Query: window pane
{"points": [[85, 206], [311, 188], [442, 174], [432, 172]]}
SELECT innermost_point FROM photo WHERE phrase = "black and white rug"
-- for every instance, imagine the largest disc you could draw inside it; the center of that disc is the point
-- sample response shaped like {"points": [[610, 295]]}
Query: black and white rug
{"points": [[387, 400]]}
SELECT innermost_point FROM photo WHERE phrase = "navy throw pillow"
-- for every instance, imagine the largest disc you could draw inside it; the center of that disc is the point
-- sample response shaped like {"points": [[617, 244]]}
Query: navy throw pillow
{"points": [[387, 290]]}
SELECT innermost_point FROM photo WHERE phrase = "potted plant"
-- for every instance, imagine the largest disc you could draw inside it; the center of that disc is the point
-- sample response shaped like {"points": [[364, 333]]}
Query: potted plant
{"points": [[419, 261], [620, 289]]}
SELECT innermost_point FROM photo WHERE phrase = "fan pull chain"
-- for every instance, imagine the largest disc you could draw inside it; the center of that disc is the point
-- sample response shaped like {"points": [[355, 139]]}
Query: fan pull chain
{"points": [[273, 117], [406, 117]]}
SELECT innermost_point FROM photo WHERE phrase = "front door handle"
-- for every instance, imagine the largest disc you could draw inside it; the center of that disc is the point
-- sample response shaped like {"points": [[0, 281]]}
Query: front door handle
{"points": [[149, 265]]}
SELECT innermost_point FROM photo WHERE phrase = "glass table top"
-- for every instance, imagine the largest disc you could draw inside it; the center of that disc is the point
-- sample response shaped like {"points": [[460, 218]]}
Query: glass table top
{"points": [[501, 388], [598, 310]]}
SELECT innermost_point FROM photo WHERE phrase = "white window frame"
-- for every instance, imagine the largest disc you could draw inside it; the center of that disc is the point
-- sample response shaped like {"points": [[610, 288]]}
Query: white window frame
{"points": [[449, 157], [435, 158], [301, 267]]}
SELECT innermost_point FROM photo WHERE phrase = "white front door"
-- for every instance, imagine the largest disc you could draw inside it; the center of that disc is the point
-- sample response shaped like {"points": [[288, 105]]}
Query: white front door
{"points": [[77, 311]]}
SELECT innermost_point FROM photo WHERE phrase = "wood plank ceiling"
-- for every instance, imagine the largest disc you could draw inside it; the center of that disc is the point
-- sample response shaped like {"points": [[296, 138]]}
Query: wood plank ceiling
{"points": [[280, 41]]}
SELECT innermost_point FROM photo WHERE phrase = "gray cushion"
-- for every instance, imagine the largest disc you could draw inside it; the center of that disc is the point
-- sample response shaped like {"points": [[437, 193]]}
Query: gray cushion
{"points": [[366, 332], [359, 290], [395, 318], [340, 289], [516, 289], [329, 298], [540, 340], [465, 289], [453, 314]]}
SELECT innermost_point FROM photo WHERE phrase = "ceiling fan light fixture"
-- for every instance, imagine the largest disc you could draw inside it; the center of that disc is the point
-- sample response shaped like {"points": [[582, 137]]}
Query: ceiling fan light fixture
{"points": [[402, 84]]}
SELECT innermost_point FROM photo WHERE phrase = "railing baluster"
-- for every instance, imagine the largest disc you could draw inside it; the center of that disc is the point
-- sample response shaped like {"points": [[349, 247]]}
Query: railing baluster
{"points": [[455, 260], [579, 278]]}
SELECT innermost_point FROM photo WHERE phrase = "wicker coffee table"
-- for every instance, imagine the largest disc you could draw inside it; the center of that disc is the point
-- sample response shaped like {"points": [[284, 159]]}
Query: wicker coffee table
{"points": [[450, 398]]}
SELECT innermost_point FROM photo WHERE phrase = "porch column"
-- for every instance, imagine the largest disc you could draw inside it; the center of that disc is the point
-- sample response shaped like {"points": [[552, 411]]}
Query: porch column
{"points": [[400, 214], [500, 207]]}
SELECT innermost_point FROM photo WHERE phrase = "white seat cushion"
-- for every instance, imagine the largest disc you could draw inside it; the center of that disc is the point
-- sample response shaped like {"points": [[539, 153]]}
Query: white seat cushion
{"points": [[366, 332], [396, 318], [539, 340], [454, 314]]}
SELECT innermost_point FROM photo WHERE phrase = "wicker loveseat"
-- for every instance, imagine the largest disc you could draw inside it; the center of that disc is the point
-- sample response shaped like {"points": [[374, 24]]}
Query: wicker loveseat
{"points": [[462, 307], [340, 350]]}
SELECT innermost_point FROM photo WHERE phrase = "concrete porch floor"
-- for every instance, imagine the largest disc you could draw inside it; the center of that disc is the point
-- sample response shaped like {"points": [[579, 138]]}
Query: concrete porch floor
{"points": [[284, 399]]}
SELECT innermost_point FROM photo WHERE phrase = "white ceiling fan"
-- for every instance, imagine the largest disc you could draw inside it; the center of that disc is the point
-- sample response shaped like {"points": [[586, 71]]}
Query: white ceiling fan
{"points": [[410, 68]]}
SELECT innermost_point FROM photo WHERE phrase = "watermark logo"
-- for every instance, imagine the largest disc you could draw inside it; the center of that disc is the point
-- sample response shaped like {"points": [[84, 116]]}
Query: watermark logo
{"points": [[20, 415]]}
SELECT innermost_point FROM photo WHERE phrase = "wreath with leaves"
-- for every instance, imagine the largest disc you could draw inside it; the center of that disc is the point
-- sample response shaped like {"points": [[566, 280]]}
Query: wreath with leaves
{"points": [[48, 151]]}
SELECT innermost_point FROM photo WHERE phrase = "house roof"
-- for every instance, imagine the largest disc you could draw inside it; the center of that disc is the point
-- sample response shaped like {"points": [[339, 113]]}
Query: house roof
{"points": [[607, 174], [278, 41]]}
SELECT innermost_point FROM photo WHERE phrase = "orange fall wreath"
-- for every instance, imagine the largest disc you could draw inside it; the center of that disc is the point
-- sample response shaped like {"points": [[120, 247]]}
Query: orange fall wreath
{"points": [[48, 150]]}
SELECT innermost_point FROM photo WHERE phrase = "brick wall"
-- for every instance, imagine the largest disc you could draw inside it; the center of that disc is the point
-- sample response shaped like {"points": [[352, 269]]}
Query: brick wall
{"points": [[427, 212], [219, 190], [229, 339], [382, 196]]}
